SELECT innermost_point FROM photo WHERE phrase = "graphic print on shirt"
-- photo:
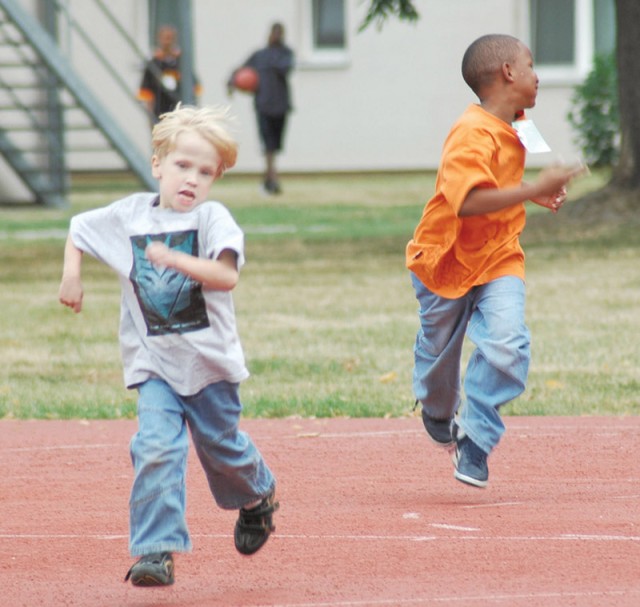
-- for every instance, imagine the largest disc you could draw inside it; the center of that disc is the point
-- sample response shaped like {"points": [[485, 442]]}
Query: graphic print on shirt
{"points": [[170, 301]]}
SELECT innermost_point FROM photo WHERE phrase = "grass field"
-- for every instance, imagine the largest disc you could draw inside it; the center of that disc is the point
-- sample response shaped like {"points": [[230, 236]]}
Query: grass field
{"points": [[325, 307]]}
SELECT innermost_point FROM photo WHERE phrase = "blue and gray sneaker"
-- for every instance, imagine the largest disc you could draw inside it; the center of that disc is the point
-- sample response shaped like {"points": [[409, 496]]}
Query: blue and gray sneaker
{"points": [[469, 460], [439, 430]]}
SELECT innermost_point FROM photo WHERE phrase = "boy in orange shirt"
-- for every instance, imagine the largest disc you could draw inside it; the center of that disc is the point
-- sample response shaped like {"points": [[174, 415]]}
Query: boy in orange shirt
{"points": [[466, 262]]}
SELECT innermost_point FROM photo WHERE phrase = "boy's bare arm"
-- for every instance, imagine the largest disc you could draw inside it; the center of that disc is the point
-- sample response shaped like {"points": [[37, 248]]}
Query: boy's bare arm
{"points": [[220, 274], [71, 291], [549, 190]]}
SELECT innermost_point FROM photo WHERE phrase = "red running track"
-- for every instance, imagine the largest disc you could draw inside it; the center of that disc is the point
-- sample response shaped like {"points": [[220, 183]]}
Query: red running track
{"points": [[370, 516]]}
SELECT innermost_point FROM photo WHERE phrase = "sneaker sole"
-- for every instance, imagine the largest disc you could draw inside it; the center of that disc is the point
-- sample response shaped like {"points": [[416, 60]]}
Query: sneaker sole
{"points": [[150, 580], [469, 480]]}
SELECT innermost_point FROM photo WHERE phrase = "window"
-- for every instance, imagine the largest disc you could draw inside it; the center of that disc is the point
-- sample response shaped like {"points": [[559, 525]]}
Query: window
{"points": [[323, 34], [566, 34], [328, 24], [553, 32], [604, 16]]}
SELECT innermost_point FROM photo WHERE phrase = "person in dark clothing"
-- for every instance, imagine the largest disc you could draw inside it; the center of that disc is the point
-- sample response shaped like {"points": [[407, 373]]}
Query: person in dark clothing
{"points": [[160, 87], [272, 101]]}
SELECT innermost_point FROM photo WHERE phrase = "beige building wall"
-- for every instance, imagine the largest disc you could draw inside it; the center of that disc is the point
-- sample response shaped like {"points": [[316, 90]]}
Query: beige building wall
{"points": [[386, 104], [389, 104]]}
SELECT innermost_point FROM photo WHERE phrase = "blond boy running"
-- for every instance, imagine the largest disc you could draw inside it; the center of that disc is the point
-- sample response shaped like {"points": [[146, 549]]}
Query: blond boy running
{"points": [[178, 258]]}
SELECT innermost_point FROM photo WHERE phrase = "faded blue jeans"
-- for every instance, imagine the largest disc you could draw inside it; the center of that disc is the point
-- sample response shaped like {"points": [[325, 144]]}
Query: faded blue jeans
{"points": [[234, 468], [492, 316]]}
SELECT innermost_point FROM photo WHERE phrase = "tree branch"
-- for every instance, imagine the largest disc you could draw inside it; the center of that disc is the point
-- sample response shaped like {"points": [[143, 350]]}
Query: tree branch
{"points": [[380, 10]]}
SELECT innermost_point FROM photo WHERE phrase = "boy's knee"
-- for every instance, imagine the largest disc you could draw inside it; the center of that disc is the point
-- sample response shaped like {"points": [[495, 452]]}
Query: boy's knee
{"points": [[510, 354], [152, 453]]}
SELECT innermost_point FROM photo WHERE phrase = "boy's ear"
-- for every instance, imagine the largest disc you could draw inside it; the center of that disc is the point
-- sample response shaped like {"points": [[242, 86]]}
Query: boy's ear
{"points": [[506, 72], [155, 166]]}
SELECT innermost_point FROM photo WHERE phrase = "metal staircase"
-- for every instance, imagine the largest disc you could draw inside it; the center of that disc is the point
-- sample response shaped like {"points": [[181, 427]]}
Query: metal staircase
{"points": [[43, 103]]}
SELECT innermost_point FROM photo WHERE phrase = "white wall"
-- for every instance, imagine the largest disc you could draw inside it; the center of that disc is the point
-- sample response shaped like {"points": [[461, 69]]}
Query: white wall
{"points": [[391, 106], [388, 107]]}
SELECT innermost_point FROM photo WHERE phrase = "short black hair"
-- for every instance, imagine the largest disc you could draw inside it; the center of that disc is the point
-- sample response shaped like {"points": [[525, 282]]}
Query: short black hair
{"points": [[484, 58]]}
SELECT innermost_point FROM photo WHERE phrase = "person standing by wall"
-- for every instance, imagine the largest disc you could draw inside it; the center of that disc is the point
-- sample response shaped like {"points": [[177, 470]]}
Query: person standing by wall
{"points": [[160, 86], [272, 101]]}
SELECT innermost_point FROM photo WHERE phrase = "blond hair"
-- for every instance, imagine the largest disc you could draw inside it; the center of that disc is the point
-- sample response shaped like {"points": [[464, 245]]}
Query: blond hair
{"points": [[211, 122]]}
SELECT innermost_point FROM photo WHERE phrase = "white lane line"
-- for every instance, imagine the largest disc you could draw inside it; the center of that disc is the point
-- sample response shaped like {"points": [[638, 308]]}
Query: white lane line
{"points": [[63, 447], [536, 433], [305, 435], [368, 434], [566, 537], [453, 527], [492, 505], [62, 536], [538, 598], [318, 434]]}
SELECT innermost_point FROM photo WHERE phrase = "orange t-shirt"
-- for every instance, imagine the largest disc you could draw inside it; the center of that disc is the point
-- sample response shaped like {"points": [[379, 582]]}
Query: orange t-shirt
{"points": [[452, 254]]}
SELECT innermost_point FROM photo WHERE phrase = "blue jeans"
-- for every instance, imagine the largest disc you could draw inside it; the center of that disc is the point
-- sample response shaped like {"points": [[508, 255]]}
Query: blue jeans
{"points": [[234, 468], [492, 316]]}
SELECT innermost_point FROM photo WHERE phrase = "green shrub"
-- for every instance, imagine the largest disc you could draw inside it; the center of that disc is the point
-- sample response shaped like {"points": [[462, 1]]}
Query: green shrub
{"points": [[595, 114]]}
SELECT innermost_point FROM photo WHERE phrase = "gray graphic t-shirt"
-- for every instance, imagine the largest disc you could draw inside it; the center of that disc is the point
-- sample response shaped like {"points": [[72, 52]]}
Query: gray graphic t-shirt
{"points": [[170, 326]]}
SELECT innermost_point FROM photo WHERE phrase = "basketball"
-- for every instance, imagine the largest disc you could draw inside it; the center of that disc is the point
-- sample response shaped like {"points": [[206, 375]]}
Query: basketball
{"points": [[246, 79]]}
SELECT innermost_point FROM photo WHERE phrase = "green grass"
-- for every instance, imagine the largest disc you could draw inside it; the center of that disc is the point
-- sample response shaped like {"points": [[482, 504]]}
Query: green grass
{"points": [[325, 307]]}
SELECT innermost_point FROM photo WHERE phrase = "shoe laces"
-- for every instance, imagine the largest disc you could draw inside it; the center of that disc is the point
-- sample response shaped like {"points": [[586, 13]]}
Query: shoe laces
{"points": [[260, 516], [477, 456]]}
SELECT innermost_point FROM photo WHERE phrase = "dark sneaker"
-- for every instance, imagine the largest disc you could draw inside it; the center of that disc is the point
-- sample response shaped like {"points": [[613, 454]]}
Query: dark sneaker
{"points": [[271, 187], [152, 570], [255, 525], [439, 430], [470, 461]]}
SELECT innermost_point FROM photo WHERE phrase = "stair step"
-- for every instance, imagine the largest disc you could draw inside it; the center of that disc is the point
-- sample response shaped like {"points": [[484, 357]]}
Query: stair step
{"points": [[38, 89]]}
